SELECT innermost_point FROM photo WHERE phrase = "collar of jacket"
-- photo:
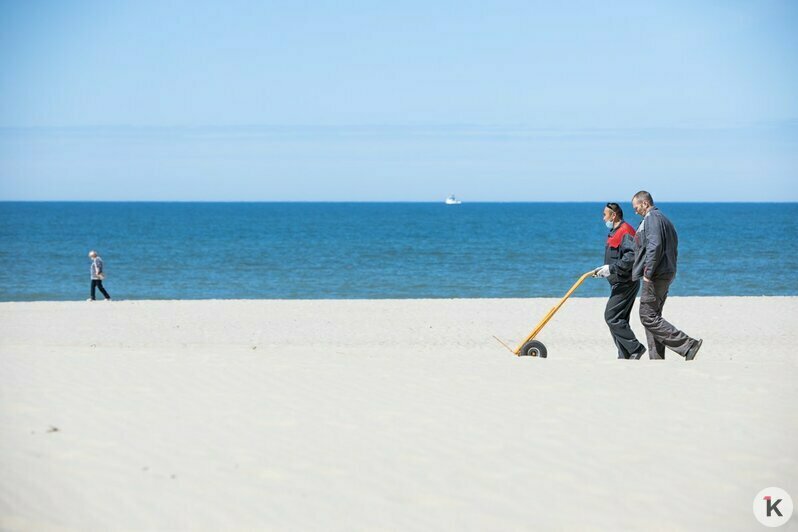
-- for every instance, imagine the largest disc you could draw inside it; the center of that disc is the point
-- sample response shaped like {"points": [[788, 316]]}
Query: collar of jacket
{"points": [[615, 236]]}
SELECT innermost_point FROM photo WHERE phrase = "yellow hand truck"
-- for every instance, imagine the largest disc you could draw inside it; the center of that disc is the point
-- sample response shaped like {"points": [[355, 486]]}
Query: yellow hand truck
{"points": [[535, 348]]}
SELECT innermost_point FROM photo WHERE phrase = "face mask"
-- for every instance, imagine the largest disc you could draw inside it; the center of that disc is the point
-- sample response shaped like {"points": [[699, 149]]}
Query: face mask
{"points": [[609, 224]]}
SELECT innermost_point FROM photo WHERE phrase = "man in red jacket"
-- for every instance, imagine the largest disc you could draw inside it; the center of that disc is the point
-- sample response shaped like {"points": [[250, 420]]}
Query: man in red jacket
{"points": [[619, 256]]}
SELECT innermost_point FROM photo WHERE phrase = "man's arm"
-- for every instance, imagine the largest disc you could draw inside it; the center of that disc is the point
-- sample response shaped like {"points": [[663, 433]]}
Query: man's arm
{"points": [[653, 246], [624, 264]]}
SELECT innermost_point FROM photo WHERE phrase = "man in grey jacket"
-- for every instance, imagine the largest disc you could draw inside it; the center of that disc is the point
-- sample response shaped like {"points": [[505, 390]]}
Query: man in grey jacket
{"points": [[656, 250]]}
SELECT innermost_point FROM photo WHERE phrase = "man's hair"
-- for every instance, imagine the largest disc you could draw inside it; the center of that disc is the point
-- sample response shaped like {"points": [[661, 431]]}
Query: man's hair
{"points": [[614, 207], [643, 196]]}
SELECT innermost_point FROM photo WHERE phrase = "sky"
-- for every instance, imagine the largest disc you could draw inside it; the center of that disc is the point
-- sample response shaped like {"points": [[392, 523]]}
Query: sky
{"points": [[398, 101]]}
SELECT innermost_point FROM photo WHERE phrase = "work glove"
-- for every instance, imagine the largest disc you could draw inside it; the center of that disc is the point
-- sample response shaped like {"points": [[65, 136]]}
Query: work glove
{"points": [[603, 271]]}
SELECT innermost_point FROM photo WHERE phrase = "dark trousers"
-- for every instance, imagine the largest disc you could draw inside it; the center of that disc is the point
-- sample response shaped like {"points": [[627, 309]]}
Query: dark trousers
{"points": [[97, 283], [659, 332], [616, 314]]}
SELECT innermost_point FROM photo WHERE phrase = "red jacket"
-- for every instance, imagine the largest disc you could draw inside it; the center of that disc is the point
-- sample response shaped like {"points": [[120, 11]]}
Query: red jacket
{"points": [[619, 253]]}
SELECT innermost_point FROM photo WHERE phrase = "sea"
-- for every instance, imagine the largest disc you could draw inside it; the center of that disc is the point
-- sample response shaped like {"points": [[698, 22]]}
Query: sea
{"points": [[374, 250]]}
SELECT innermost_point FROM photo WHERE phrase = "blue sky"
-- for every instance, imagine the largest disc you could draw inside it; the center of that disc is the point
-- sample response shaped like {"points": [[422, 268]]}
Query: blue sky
{"points": [[493, 101]]}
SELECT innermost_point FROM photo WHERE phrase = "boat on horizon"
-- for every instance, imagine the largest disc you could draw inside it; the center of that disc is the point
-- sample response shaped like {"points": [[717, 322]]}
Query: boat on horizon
{"points": [[451, 200]]}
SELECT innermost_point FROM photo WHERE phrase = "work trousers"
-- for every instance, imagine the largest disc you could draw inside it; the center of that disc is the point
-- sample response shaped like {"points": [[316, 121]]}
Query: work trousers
{"points": [[97, 283], [616, 314], [659, 332]]}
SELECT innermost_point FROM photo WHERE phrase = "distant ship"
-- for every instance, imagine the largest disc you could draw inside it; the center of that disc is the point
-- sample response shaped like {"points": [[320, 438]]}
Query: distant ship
{"points": [[451, 200]]}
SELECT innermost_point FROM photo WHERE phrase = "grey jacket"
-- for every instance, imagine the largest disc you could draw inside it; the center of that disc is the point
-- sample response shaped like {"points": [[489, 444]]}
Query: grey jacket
{"points": [[656, 247], [96, 269]]}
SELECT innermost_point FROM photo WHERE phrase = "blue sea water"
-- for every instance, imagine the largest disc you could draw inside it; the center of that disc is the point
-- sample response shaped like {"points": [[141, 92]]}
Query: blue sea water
{"points": [[373, 250]]}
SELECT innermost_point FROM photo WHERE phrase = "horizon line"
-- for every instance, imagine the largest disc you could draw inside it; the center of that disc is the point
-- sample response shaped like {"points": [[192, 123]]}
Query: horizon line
{"points": [[429, 202]]}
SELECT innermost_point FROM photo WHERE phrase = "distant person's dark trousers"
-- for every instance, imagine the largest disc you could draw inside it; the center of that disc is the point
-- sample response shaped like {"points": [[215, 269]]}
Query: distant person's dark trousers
{"points": [[97, 283], [659, 332], [616, 314]]}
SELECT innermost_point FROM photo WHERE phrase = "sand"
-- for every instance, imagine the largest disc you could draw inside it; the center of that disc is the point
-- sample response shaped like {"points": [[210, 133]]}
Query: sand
{"points": [[388, 415]]}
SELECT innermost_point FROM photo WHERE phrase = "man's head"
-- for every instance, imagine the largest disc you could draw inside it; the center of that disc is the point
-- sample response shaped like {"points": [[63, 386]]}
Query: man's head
{"points": [[613, 213], [92, 254], [642, 202]]}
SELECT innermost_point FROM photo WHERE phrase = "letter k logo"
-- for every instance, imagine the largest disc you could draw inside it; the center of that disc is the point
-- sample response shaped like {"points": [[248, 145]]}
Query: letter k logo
{"points": [[772, 506], [777, 508]]}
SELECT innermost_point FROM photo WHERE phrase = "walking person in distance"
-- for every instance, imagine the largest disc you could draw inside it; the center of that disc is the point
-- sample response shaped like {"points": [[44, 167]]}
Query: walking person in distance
{"points": [[97, 276]]}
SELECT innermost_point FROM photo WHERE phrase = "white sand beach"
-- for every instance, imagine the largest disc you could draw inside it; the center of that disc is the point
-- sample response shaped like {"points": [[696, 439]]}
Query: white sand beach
{"points": [[389, 415]]}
